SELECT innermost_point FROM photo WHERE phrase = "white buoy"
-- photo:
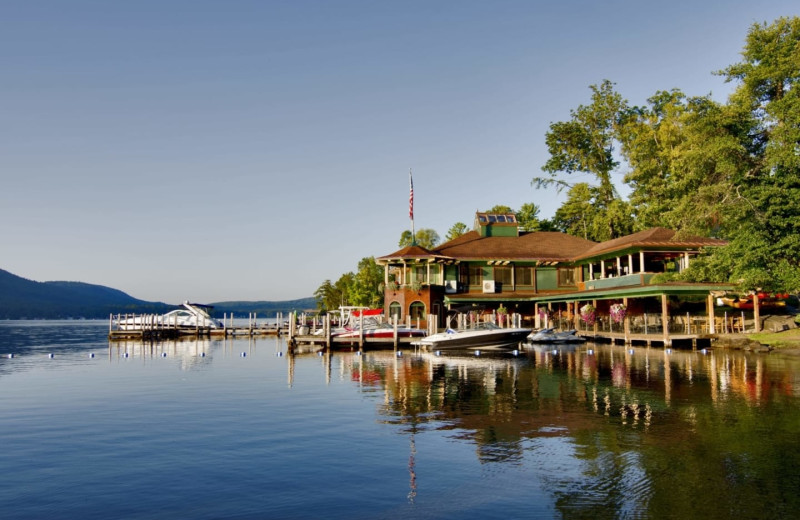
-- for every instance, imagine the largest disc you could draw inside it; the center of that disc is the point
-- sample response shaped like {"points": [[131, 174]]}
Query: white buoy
{"points": [[319, 353], [704, 351], [630, 351], [202, 354], [280, 354], [438, 352], [554, 352], [669, 351], [590, 352], [163, 354], [358, 353], [10, 356], [50, 355], [399, 353], [516, 352], [91, 354], [125, 355], [244, 354], [477, 352]]}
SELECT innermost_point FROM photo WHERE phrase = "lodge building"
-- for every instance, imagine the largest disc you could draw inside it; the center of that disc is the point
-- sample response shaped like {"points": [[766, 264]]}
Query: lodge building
{"points": [[538, 274]]}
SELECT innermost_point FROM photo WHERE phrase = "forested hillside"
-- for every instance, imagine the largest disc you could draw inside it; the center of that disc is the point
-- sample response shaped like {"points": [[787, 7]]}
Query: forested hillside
{"points": [[21, 298]]}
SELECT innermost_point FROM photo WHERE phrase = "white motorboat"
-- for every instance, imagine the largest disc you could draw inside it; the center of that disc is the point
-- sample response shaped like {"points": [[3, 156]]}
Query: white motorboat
{"points": [[188, 316], [552, 336], [484, 335]]}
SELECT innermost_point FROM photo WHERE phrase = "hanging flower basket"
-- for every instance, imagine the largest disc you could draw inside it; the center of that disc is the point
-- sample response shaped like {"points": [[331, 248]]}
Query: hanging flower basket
{"points": [[618, 312], [588, 314]]}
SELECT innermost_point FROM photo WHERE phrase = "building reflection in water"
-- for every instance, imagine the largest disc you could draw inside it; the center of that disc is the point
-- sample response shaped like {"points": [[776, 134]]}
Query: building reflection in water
{"points": [[637, 421]]}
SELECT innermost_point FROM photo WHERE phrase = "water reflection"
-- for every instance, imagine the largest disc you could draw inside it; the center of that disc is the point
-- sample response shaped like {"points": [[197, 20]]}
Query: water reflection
{"points": [[608, 428]]}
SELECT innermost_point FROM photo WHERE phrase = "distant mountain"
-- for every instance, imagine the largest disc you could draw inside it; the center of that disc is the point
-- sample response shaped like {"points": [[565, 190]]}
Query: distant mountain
{"points": [[22, 298], [264, 309]]}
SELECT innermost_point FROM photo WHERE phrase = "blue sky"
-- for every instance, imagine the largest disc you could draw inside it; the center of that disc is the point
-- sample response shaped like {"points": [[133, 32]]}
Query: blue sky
{"points": [[249, 150]]}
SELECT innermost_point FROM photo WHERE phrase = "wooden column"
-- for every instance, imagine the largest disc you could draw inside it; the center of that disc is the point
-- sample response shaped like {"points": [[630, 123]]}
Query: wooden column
{"points": [[626, 322], [665, 320], [756, 313], [576, 317], [361, 329], [641, 261], [327, 326], [712, 327]]}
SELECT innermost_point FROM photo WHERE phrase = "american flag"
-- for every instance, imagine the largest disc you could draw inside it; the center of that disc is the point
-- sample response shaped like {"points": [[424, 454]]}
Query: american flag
{"points": [[410, 196]]}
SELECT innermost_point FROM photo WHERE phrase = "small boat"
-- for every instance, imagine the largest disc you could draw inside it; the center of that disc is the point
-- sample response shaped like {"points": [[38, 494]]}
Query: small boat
{"points": [[371, 320], [188, 316], [764, 300], [551, 336], [382, 330], [484, 335]]}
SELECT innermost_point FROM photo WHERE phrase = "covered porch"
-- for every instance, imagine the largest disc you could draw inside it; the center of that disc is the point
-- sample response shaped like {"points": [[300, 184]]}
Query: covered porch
{"points": [[660, 313]]}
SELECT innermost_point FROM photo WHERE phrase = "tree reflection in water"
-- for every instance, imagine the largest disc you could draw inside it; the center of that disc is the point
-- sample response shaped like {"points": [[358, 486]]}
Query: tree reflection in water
{"points": [[636, 432]]}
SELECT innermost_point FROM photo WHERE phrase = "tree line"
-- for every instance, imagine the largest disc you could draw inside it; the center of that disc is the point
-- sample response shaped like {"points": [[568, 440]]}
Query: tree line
{"points": [[729, 170]]}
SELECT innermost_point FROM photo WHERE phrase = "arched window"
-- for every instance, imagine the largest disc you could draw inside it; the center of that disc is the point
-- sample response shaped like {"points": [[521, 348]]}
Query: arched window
{"points": [[417, 310], [395, 311]]}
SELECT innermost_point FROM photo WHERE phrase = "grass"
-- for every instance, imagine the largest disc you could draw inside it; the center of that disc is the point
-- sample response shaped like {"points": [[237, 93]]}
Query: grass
{"points": [[784, 339]]}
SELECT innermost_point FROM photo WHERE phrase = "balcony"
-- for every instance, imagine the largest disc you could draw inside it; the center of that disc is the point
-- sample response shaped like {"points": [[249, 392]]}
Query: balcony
{"points": [[627, 280]]}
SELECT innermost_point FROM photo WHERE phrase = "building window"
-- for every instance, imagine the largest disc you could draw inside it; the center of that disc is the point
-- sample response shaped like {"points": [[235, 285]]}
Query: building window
{"points": [[395, 311], [470, 275], [421, 274], [566, 277], [417, 310], [523, 276], [502, 275]]}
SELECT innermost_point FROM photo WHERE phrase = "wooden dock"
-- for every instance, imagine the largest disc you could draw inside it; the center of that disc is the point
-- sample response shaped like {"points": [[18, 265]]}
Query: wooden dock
{"points": [[152, 327], [668, 340], [338, 342]]}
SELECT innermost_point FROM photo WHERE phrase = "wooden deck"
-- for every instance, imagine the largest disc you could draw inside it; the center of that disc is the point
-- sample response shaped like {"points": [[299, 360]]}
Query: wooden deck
{"points": [[650, 339]]}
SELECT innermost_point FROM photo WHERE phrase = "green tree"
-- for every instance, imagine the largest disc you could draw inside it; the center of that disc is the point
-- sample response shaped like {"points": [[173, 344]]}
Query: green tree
{"points": [[686, 157], [768, 239], [586, 144], [576, 215], [330, 296], [367, 285], [458, 229], [500, 209], [528, 217], [426, 238]]}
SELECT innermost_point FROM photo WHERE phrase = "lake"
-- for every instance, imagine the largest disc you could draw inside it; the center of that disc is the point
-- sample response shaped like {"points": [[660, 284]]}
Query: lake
{"points": [[241, 428]]}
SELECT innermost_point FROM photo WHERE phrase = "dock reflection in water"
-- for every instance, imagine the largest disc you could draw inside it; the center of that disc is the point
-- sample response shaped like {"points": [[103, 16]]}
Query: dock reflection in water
{"points": [[608, 428]]}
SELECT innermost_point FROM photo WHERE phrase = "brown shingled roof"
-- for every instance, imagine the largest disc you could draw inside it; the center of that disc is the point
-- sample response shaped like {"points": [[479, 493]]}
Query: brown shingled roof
{"points": [[653, 237], [539, 245], [409, 252], [546, 246]]}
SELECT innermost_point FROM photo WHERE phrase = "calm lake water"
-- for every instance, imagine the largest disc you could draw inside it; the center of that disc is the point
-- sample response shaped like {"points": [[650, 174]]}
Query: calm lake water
{"points": [[241, 429]]}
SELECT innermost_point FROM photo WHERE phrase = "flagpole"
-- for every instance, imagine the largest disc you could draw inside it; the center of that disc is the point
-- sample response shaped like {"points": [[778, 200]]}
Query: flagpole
{"points": [[411, 207]]}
